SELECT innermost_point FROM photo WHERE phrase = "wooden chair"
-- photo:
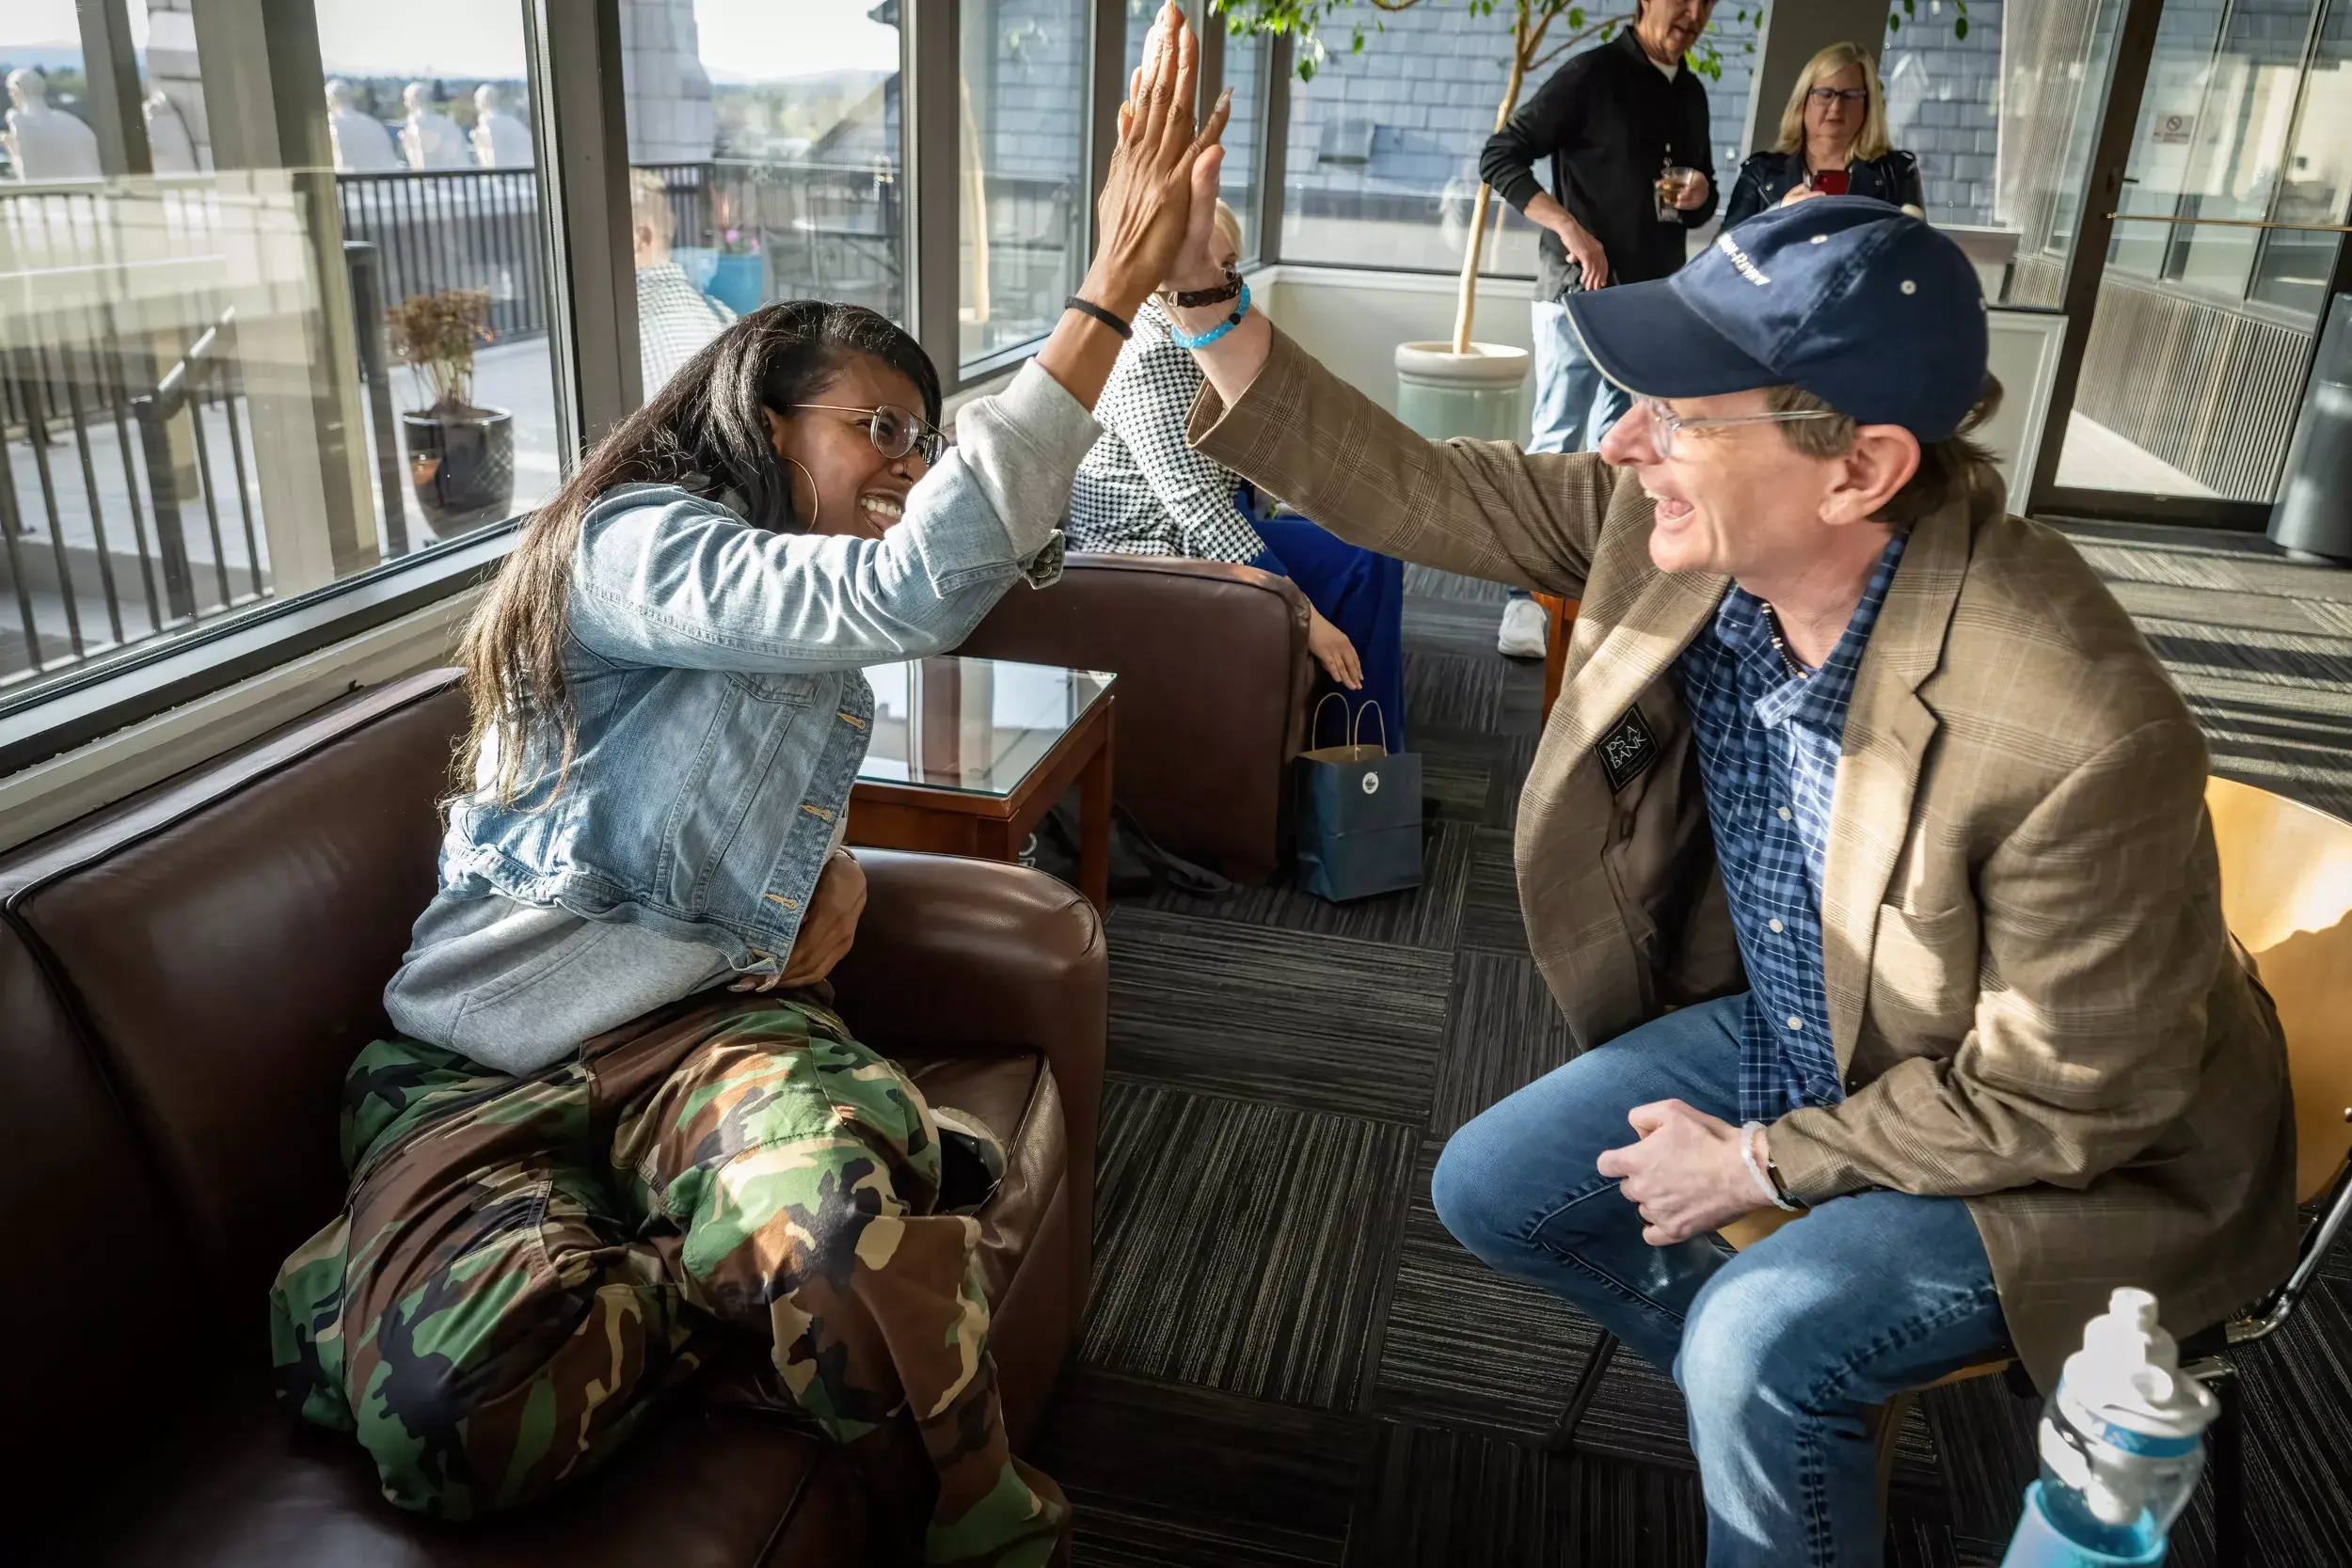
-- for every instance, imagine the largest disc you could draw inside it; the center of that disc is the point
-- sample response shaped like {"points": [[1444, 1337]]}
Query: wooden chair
{"points": [[1560, 619], [2286, 891]]}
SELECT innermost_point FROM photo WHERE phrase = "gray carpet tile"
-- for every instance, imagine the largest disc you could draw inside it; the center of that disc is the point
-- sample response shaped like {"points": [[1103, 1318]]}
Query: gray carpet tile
{"points": [[1450, 693], [1428, 916], [1243, 1246], [1450, 625], [1174, 1476], [1468, 1347], [1503, 1032], [1490, 900], [2333, 615], [1457, 776], [2221, 613], [1436, 1498], [1312, 1021], [1513, 756], [1429, 582]]}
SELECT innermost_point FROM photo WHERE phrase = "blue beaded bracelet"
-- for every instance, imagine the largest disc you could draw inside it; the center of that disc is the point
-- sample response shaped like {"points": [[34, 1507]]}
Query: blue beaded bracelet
{"points": [[1182, 339]]}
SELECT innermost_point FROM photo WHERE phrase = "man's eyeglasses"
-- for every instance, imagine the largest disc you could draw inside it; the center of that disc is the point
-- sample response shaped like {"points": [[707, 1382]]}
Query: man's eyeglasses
{"points": [[894, 431], [1826, 96], [1664, 422]]}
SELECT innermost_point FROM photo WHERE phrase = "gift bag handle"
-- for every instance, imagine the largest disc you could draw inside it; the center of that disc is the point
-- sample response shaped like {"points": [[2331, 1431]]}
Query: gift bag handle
{"points": [[1355, 735], [1314, 725]]}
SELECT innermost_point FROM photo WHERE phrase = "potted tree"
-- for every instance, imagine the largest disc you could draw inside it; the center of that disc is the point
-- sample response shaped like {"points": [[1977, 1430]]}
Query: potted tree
{"points": [[1460, 386], [461, 457]]}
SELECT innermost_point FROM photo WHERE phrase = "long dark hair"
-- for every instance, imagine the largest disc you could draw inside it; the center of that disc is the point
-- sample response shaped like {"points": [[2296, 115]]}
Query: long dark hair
{"points": [[705, 429]]}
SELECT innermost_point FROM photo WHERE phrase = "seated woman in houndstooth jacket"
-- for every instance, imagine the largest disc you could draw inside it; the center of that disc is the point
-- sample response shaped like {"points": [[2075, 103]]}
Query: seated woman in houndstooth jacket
{"points": [[1144, 491]]}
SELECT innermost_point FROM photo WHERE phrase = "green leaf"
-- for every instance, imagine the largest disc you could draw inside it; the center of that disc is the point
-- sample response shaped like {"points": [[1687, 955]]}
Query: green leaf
{"points": [[1959, 28], [1893, 21]]}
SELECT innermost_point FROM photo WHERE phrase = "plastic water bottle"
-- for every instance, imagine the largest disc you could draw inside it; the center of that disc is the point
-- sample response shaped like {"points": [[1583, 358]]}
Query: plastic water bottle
{"points": [[2121, 1444]]}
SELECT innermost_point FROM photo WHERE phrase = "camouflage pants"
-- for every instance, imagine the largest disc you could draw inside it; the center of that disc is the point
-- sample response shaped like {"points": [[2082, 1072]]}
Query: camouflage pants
{"points": [[524, 1265]]}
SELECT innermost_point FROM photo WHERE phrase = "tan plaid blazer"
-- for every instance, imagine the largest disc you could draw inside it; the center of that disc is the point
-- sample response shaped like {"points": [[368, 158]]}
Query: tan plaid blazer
{"points": [[2035, 1003]]}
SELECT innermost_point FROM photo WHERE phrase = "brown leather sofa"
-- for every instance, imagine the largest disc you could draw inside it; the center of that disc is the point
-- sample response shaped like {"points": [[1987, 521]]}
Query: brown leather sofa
{"points": [[183, 979], [1212, 679]]}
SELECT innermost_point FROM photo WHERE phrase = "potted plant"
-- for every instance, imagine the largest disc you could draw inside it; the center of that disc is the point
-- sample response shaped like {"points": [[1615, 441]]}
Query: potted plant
{"points": [[1460, 386], [461, 457]]}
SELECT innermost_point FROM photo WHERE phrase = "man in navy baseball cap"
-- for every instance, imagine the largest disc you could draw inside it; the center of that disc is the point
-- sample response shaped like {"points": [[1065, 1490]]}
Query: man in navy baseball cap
{"points": [[1864, 854], [1851, 324], [1867, 307]]}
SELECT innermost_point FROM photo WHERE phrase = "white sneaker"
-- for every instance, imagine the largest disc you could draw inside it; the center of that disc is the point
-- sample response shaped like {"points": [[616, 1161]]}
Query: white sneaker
{"points": [[1523, 628]]}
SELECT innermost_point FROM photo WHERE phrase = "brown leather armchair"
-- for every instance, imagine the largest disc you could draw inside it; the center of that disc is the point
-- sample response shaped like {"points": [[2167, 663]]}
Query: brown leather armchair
{"points": [[1212, 679], [183, 979]]}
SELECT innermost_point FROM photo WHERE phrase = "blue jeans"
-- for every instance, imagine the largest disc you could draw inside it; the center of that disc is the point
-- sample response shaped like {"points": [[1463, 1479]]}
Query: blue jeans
{"points": [[1575, 404], [1782, 1351]]}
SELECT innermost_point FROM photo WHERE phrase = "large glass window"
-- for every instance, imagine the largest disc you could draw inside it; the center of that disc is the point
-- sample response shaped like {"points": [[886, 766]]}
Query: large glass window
{"points": [[1381, 168], [764, 144], [1246, 65], [233, 381], [1023, 184], [2202, 308], [2003, 122]]}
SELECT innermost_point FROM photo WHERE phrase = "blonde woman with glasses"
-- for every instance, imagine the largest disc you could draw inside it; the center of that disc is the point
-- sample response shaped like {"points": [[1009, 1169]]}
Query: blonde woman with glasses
{"points": [[1833, 142]]}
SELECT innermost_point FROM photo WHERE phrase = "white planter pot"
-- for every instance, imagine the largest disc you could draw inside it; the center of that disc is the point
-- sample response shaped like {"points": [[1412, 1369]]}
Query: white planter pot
{"points": [[1442, 393]]}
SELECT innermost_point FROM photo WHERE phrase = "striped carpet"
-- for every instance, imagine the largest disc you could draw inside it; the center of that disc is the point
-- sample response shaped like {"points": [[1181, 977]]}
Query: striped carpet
{"points": [[1288, 1361]]}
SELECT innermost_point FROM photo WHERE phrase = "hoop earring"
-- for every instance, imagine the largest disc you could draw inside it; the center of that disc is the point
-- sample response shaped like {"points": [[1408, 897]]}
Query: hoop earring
{"points": [[816, 502]]}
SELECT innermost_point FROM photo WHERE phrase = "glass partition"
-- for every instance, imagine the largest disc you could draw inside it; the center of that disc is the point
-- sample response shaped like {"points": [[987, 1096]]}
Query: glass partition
{"points": [[2225, 236]]}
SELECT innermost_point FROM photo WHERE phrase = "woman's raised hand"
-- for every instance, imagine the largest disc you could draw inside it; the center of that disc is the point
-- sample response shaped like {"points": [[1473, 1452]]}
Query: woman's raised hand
{"points": [[1154, 197]]}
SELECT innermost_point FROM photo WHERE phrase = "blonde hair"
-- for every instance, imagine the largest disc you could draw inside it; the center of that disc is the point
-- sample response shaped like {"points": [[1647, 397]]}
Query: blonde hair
{"points": [[649, 204], [1229, 224], [1871, 142]]}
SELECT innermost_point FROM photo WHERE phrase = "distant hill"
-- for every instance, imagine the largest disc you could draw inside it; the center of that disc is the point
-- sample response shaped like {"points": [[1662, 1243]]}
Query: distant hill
{"points": [[41, 56], [845, 83]]}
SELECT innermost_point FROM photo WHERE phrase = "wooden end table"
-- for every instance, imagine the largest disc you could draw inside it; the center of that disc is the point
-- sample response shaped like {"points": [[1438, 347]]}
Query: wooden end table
{"points": [[969, 754]]}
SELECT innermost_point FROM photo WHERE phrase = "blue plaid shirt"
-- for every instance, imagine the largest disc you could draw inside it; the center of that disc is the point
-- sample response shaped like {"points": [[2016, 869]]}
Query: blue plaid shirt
{"points": [[1768, 743]]}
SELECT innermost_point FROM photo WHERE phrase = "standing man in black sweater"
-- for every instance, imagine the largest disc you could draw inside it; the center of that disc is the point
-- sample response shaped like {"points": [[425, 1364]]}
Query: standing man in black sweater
{"points": [[1610, 121]]}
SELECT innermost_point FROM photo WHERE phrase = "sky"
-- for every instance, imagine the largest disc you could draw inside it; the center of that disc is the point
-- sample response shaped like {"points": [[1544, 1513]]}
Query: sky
{"points": [[742, 39]]}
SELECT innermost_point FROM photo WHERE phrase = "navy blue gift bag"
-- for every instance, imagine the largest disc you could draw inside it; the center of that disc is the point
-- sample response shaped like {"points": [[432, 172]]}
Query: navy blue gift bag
{"points": [[1358, 815]]}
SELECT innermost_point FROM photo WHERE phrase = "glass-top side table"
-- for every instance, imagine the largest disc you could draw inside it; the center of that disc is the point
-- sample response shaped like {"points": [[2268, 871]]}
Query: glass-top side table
{"points": [[968, 755]]}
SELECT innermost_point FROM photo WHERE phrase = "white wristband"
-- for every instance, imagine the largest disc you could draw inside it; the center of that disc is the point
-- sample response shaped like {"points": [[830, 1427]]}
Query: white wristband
{"points": [[1755, 1169]]}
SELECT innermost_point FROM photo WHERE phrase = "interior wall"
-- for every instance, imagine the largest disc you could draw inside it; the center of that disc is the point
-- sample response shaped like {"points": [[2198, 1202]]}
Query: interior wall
{"points": [[1352, 321]]}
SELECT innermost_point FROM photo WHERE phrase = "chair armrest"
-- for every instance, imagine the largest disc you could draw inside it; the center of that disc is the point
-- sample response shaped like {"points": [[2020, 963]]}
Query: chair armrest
{"points": [[960, 956], [1213, 678]]}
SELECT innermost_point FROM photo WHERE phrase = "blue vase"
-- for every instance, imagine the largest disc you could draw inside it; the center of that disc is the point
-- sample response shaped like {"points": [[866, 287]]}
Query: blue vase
{"points": [[738, 282]]}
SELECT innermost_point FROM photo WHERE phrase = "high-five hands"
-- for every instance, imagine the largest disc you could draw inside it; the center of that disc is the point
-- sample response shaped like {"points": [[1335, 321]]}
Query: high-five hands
{"points": [[1162, 182], [1163, 179], [1685, 1173]]}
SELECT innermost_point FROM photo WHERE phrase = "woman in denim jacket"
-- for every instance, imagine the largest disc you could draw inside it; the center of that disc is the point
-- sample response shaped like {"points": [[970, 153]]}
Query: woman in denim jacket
{"points": [[586, 1153]]}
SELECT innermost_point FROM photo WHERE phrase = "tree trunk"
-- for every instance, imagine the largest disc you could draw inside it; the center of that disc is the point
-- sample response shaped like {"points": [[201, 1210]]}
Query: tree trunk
{"points": [[1473, 253]]}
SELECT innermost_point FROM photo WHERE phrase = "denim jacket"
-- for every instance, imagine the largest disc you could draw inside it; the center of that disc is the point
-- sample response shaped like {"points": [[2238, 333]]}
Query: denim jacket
{"points": [[715, 668]]}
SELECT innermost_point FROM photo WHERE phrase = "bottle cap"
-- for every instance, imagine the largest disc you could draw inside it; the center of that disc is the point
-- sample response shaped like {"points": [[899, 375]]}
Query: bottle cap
{"points": [[2128, 1374]]}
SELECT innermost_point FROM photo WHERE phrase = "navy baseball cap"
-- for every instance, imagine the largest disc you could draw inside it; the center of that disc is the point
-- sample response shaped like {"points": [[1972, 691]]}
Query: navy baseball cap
{"points": [[1859, 303]]}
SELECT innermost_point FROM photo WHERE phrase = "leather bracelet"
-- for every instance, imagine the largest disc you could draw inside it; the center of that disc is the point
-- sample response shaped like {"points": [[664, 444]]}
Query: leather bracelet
{"points": [[1193, 298], [1087, 307]]}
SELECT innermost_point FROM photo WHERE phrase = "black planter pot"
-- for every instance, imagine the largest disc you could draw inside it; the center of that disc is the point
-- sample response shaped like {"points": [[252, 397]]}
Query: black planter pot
{"points": [[461, 465]]}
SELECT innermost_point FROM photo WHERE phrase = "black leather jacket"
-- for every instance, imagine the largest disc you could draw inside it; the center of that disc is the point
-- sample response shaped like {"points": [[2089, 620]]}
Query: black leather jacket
{"points": [[1767, 177]]}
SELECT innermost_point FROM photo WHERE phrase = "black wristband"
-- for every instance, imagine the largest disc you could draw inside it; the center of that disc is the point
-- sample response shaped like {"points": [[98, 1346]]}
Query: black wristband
{"points": [[1087, 307]]}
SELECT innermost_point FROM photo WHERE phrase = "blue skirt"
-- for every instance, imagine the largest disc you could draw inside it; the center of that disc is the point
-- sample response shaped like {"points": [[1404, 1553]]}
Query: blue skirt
{"points": [[1361, 592]]}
